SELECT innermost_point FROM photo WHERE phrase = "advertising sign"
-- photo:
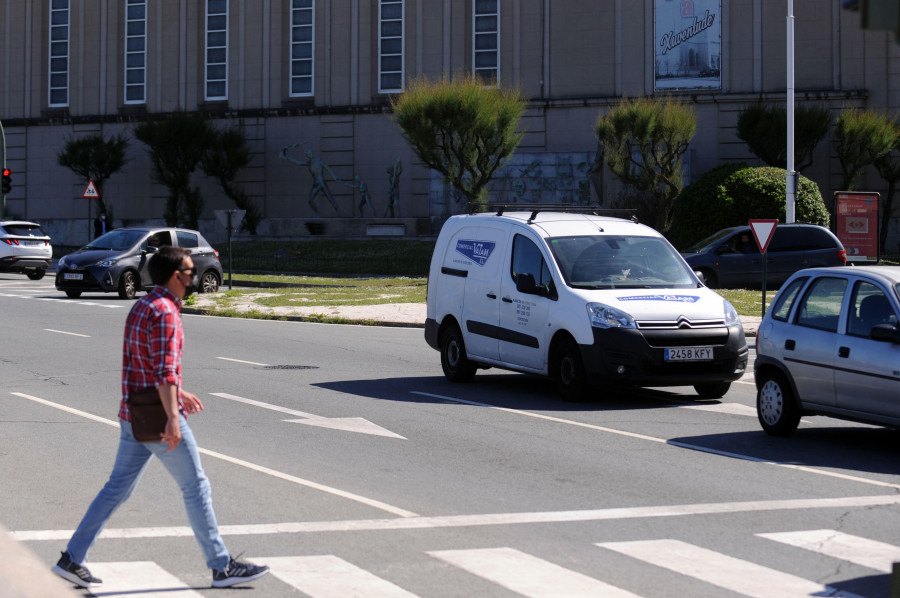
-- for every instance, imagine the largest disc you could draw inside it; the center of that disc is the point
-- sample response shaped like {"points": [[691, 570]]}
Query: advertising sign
{"points": [[688, 40], [857, 224]]}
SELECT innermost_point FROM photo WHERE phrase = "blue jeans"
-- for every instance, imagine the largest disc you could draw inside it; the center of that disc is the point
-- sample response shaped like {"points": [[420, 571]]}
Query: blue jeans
{"points": [[183, 464]]}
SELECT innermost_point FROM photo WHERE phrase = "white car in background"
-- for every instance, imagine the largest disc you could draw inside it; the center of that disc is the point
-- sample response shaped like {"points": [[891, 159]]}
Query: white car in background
{"points": [[24, 248]]}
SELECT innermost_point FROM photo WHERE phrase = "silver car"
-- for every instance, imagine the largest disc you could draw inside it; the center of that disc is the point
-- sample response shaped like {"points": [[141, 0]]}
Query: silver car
{"points": [[830, 345]]}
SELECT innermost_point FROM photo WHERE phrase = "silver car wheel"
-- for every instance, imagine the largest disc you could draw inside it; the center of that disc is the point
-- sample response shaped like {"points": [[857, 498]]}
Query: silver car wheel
{"points": [[771, 402]]}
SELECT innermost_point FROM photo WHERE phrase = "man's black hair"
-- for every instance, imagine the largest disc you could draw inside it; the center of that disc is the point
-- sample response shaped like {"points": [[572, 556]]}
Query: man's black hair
{"points": [[164, 263]]}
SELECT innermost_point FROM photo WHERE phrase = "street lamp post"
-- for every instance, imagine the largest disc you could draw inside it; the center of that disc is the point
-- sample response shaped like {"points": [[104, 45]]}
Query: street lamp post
{"points": [[790, 177]]}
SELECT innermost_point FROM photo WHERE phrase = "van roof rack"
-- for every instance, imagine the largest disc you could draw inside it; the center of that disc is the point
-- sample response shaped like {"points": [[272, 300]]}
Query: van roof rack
{"points": [[537, 208]]}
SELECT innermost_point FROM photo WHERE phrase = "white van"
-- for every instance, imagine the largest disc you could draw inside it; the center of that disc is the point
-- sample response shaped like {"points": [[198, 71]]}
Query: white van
{"points": [[586, 300]]}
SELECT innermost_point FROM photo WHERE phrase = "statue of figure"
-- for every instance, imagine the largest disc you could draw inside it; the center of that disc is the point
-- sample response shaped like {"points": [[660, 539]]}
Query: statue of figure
{"points": [[365, 198], [317, 169], [394, 188]]}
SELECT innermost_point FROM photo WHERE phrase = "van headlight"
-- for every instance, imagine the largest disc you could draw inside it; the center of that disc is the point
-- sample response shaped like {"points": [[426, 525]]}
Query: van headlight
{"points": [[731, 314], [604, 316]]}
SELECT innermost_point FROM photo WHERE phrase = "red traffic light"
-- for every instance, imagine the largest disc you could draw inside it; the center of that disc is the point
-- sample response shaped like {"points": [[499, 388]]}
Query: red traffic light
{"points": [[7, 182], [6, 172]]}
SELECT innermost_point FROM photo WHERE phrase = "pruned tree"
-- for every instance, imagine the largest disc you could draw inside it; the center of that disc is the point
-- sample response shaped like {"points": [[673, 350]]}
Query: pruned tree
{"points": [[888, 166], [861, 137], [93, 157], [176, 145], [644, 141], [461, 128], [764, 128], [222, 160]]}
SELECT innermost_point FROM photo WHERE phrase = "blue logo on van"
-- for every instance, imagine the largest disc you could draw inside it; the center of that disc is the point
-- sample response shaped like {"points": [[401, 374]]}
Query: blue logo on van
{"points": [[676, 298], [477, 251]]}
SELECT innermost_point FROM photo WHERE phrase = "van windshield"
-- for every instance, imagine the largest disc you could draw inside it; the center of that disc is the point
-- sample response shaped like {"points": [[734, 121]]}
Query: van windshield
{"points": [[607, 262]]}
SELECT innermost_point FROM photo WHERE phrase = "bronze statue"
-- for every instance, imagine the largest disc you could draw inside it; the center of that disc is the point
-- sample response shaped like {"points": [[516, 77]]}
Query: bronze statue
{"points": [[394, 188], [317, 168]]}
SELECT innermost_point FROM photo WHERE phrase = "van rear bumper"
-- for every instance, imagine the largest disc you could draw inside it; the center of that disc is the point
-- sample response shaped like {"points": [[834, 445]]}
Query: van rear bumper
{"points": [[625, 357], [431, 333]]}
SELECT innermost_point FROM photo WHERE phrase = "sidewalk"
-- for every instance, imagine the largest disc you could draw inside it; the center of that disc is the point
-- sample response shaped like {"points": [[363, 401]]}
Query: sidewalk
{"points": [[387, 314]]}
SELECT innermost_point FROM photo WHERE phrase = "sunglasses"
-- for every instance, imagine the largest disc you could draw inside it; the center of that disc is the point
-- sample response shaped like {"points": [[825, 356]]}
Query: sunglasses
{"points": [[190, 271]]}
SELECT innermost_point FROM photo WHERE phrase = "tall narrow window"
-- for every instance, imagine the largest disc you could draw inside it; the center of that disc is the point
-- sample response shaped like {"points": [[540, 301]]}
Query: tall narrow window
{"points": [[486, 42], [302, 13], [390, 46], [59, 53], [216, 49], [135, 51]]}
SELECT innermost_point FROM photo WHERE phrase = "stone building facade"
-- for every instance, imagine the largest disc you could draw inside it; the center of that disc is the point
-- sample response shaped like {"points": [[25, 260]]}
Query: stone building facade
{"points": [[318, 75]]}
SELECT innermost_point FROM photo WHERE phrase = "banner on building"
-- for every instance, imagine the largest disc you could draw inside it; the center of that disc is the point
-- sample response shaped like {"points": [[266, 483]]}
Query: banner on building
{"points": [[857, 224], [688, 40]]}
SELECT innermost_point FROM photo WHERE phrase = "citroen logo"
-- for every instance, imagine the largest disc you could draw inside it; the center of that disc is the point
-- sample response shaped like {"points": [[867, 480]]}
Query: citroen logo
{"points": [[683, 322]]}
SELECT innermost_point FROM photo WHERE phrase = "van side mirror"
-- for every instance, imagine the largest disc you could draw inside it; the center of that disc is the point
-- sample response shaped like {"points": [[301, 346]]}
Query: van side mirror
{"points": [[885, 332]]}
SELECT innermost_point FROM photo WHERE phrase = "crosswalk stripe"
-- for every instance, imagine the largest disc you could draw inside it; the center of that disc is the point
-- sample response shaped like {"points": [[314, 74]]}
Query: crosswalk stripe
{"points": [[328, 576], [528, 575], [860, 551], [142, 578], [726, 572]]}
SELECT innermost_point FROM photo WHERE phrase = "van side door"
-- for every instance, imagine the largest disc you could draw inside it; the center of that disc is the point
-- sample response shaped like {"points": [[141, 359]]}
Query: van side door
{"points": [[485, 251], [525, 305]]}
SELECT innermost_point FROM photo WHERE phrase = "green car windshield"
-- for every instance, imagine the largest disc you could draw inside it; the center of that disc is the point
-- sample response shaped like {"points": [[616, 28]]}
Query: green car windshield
{"points": [[605, 262]]}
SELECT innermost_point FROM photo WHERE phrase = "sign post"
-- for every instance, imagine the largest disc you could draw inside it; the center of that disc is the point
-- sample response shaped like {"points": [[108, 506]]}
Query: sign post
{"points": [[90, 192], [231, 220], [763, 231]]}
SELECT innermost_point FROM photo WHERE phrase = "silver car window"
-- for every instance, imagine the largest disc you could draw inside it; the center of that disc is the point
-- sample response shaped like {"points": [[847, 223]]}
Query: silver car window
{"points": [[821, 306], [869, 307]]}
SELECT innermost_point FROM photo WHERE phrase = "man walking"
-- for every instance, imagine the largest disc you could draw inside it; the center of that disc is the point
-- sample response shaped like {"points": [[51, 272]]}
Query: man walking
{"points": [[154, 339]]}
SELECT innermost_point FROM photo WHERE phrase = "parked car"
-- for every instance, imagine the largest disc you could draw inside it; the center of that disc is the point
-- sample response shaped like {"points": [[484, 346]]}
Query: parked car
{"points": [[730, 258], [24, 248], [830, 345], [117, 261], [585, 300]]}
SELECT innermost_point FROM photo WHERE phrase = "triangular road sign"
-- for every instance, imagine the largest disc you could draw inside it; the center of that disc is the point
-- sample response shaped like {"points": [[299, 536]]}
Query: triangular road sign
{"points": [[90, 192], [763, 229]]}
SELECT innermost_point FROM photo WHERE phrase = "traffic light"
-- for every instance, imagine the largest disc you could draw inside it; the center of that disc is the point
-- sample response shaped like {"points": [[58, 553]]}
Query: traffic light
{"points": [[7, 181]]}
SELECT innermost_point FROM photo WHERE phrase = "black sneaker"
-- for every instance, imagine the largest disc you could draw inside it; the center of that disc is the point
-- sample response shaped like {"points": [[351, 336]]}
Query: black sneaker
{"points": [[237, 572], [77, 574]]}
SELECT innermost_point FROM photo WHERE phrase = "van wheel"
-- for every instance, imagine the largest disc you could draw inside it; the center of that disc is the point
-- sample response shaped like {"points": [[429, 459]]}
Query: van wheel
{"points": [[776, 407], [567, 371], [454, 362], [127, 285], [712, 391]]}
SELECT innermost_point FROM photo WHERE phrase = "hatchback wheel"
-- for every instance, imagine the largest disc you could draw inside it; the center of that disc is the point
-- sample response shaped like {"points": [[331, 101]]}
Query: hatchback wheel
{"points": [[127, 285], [36, 274], [73, 294], [209, 283], [776, 406], [454, 362]]}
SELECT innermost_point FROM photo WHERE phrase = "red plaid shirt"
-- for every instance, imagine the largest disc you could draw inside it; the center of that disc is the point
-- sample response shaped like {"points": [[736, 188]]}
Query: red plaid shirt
{"points": [[154, 340]]}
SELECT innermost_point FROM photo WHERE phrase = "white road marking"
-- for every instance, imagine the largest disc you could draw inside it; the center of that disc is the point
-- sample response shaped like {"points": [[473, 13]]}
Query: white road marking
{"points": [[346, 424], [528, 575], [735, 575], [328, 576], [143, 578], [861, 551], [69, 333], [246, 464], [676, 443], [241, 361], [489, 519]]}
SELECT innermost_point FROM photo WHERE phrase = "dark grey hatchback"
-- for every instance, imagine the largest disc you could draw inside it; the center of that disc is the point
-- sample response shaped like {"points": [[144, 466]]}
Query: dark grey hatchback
{"points": [[117, 261], [730, 257]]}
